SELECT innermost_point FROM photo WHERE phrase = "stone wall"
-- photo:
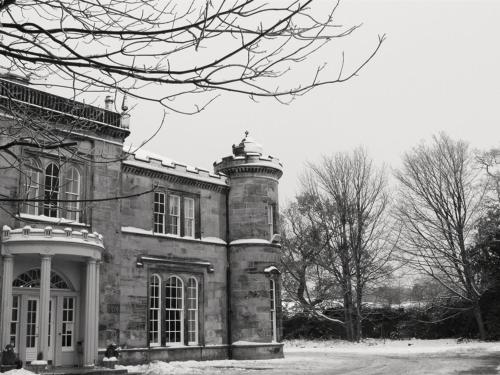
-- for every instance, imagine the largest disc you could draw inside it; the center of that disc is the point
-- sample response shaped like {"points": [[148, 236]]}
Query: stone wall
{"points": [[250, 304], [249, 197]]}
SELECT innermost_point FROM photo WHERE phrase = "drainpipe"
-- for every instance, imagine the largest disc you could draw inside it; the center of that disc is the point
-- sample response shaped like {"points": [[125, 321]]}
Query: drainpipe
{"points": [[228, 283]]}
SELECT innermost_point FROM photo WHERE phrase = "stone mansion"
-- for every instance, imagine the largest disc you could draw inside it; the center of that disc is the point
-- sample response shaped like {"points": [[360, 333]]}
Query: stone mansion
{"points": [[104, 244]]}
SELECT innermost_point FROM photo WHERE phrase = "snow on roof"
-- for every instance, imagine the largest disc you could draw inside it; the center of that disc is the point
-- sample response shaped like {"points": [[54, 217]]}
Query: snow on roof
{"points": [[148, 160]]}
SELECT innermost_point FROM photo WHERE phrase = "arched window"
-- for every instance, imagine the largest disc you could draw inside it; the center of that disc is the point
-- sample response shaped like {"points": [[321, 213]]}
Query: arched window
{"points": [[192, 310], [174, 310], [31, 186], [51, 190], [272, 300], [31, 279], [72, 190], [154, 310]]}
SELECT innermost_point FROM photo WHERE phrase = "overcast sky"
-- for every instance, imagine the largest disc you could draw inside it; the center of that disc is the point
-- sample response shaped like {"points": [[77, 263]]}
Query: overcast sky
{"points": [[439, 70]]}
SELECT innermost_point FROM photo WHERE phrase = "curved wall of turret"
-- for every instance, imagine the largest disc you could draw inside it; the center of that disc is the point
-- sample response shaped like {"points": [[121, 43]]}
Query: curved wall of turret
{"points": [[253, 250]]}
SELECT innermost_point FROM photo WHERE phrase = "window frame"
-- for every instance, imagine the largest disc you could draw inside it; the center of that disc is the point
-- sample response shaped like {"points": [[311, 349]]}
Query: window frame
{"points": [[185, 277], [192, 311], [273, 310], [191, 219], [171, 198], [31, 186], [158, 309], [69, 182], [181, 219], [167, 332], [48, 188], [161, 212], [57, 186], [65, 331], [15, 323]]}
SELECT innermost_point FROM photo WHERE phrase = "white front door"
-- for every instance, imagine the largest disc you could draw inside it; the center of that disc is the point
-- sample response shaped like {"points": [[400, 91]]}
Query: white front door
{"points": [[32, 328]]}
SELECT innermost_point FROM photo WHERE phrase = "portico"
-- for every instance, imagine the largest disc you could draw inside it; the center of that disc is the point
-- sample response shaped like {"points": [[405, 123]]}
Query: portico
{"points": [[50, 283]]}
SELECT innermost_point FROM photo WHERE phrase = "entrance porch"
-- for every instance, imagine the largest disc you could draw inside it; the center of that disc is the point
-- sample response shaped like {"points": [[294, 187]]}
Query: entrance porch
{"points": [[50, 294]]}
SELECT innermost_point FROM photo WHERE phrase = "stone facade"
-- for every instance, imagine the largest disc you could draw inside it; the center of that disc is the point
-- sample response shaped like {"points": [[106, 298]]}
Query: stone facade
{"points": [[183, 266]]}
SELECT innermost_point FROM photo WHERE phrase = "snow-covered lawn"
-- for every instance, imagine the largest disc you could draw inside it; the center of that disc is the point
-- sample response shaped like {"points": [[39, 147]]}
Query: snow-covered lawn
{"points": [[393, 347], [371, 357]]}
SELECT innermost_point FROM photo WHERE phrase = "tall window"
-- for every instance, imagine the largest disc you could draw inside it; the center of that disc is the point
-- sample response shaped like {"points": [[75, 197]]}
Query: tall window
{"points": [[174, 310], [31, 187], [68, 322], [174, 215], [272, 301], [192, 310], [154, 310], [178, 299], [189, 217], [14, 323], [270, 219], [51, 190], [159, 213], [72, 188]]}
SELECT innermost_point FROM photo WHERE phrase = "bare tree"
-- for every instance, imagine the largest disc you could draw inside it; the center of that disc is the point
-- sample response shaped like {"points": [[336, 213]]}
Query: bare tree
{"points": [[162, 51], [441, 199], [305, 281], [249, 47], [348, 196]]}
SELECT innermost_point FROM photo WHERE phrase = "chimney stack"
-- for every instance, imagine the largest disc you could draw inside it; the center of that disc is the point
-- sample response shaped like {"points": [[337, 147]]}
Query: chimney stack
{"points": [[109, 102]]}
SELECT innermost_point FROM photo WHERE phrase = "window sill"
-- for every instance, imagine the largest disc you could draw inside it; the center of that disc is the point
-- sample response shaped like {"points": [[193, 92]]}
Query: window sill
{"points": [[144, 232], [52, 220]]}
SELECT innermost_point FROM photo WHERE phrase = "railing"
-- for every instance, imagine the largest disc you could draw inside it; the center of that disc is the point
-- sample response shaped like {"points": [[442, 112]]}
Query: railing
{"points": [[13, 94]]}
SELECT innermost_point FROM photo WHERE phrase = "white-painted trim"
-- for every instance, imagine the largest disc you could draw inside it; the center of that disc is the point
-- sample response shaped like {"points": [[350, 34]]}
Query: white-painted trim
{"points": [[47, 219], [145, 232]]}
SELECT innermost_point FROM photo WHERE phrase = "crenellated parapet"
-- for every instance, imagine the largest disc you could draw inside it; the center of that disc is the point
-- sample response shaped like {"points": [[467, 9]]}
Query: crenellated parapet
{"points": [[152, 165]]}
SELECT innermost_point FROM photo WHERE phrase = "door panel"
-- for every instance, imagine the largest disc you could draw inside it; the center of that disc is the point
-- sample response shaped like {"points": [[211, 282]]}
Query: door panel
{"points": [[31, 329]]}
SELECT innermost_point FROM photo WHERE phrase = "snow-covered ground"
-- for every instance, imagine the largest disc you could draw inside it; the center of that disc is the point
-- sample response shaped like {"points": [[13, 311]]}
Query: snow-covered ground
{"points": [[371, 357], [393, 347]]}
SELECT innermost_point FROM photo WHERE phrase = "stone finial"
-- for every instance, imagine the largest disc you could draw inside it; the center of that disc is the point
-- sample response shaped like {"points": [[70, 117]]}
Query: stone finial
{"points": [[48, 231], [6, 231], [247, 146]]}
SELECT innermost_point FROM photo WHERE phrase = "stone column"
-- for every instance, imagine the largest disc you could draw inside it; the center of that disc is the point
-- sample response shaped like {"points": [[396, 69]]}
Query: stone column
{"points": [[8, 265], [43, 322], [89, 338], [96, 317]]}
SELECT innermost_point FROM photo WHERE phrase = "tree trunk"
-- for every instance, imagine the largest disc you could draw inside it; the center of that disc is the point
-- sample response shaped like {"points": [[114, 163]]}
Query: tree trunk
{"points": [[348, 315], [479, 320], [359, 298]]}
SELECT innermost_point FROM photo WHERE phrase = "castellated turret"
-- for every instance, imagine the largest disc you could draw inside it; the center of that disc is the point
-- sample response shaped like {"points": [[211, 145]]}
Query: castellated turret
{"points": [[254, 249]]}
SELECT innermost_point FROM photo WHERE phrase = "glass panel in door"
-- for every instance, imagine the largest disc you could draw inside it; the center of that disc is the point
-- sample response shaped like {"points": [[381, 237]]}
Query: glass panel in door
{"points": [[31, 329]]}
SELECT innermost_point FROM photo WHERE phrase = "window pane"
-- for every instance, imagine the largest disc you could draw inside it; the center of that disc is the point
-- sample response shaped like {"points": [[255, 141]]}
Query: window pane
{"points": [[51, 191], [67, 323], [154, 310], [174, 309], [192, 306], [174, 215], [72, 190], [31, 187], [159, 213], [189, 217]]}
